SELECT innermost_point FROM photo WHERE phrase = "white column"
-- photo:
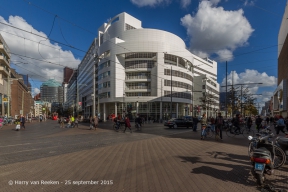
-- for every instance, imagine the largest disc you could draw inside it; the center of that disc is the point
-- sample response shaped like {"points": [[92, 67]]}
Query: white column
{"points": [[137, 108], [161, 111], [176, 110], [104, 112]]}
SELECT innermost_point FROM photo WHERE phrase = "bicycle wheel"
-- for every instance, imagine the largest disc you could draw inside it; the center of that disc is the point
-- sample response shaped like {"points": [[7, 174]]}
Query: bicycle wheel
{"points": [[280, 157], [246, 132], [209, 133], [230, 132]]}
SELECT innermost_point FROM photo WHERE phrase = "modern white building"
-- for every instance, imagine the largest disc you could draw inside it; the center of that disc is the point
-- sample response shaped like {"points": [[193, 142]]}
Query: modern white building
{"points": [[38, 108], [133, 72]]}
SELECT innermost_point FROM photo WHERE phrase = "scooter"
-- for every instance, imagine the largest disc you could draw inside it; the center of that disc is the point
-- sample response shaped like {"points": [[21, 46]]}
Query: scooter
{"points": [[262, 157], [282, 142]]}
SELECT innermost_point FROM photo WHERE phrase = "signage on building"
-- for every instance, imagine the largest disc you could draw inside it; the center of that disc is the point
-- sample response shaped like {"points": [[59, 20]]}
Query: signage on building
{"points": [[5, 99]]}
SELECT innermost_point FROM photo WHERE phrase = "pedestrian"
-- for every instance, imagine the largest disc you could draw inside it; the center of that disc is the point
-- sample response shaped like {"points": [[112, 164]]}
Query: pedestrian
{"points": [[258, 122], [203, 125], [41, 118], [22, 122], [236, 123], [96, 120], [127, 124], [271, 120], [219, 123], [280, 125], [249, 123], [212, 123], [267, 120], [61, 122], [91, 122], [195, 123]]}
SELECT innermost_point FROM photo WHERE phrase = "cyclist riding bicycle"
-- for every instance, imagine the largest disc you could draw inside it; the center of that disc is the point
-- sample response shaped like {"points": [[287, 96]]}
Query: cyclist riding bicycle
{"points": [[236, 123]]}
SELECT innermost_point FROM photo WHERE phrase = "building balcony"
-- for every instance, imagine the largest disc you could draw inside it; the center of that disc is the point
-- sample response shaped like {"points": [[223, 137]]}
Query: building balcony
{"points": [[4, 70], [137, 80], [4, 61], [137, 90], [5, 50]]}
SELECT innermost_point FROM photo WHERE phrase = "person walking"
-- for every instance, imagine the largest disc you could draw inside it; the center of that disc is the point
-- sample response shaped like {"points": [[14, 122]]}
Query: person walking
{"points": [[219, 123], [195, 123], [267, 120], [212, 121], [96, 121], [249, 123], [22, 122], [127, 124], [258, 123], [236, 123], [91, 122], [280, 125], [62, 122], [203, 126]]}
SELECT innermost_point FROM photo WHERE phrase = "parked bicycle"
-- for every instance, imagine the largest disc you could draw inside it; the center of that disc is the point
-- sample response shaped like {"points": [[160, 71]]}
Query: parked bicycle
{"points": [[119, 126], [207, 131]]}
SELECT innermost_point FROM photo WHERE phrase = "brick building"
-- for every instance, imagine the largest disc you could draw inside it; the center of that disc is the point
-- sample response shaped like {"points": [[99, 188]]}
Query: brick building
{"points": [[21, 98]]}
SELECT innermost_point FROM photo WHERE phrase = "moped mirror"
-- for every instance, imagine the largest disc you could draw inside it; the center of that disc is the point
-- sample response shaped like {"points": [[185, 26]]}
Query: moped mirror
{"points": [[250, 138]]}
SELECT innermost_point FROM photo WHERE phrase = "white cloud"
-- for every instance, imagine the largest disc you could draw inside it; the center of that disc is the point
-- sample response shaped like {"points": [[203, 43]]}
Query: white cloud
{"points": [[152, 3], [185, 3], [35, 91], [213, 30], [52, 52], [253, 76], [249, 2]]}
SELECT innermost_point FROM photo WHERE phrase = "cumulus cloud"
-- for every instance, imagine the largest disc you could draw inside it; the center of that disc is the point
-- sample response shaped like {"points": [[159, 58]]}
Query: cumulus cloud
{"points": [[35, 91], [213, 30], [253, 76], [249, 2], [50, 52], [185, 3], [151, 3]]}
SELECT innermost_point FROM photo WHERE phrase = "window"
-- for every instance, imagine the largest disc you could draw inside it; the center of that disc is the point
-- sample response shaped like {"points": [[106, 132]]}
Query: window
{"points": [[139, 55], [138, 75], [128, 27], [178, 74], [203, 86], [178, 84], [103, 65], [104, 95], [138, 85], [104, 85], [178, 94], [103, 75], [138, 94], [139, 64]]}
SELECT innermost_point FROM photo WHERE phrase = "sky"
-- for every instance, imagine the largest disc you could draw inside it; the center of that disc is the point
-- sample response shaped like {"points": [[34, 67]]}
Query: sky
{"points": [[46, 35]]}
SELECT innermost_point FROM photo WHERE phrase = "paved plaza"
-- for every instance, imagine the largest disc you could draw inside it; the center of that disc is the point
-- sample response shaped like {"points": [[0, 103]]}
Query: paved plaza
{"points": [[45, 157]]}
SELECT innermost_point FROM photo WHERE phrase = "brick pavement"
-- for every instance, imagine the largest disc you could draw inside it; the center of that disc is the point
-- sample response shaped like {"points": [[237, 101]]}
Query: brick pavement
{"points": [[155, 160]]}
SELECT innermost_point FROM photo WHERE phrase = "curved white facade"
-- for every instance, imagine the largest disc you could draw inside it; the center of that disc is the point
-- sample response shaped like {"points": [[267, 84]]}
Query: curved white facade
{"points": [[133, 71]]}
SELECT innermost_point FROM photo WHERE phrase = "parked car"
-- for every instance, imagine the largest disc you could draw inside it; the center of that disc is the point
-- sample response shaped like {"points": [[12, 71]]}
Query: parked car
{"points": [[177, 122]]}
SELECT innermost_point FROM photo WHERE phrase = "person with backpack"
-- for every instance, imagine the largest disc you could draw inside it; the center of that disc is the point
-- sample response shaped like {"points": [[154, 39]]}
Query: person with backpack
{"points": [[280, 125], [267, 120], [219, 123], [258, 123]]}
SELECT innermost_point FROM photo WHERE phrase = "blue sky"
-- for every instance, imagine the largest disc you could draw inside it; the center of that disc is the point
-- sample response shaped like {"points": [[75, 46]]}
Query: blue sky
{"points": [[247, 39]]}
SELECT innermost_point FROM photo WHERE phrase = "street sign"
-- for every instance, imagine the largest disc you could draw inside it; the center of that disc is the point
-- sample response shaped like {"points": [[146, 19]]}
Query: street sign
{"points": [[5, 99]]}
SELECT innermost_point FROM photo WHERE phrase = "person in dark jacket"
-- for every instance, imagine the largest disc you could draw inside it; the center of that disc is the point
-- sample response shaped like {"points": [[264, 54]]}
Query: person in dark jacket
{"points": [[258, 122], [249, 123], [219, 121], [195, 123], [236, 123], [127, 124], [22, 121]]}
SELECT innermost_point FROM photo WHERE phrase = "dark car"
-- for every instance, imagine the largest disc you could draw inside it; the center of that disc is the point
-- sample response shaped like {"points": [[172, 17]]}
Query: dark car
{"points": [[177, 122]]}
